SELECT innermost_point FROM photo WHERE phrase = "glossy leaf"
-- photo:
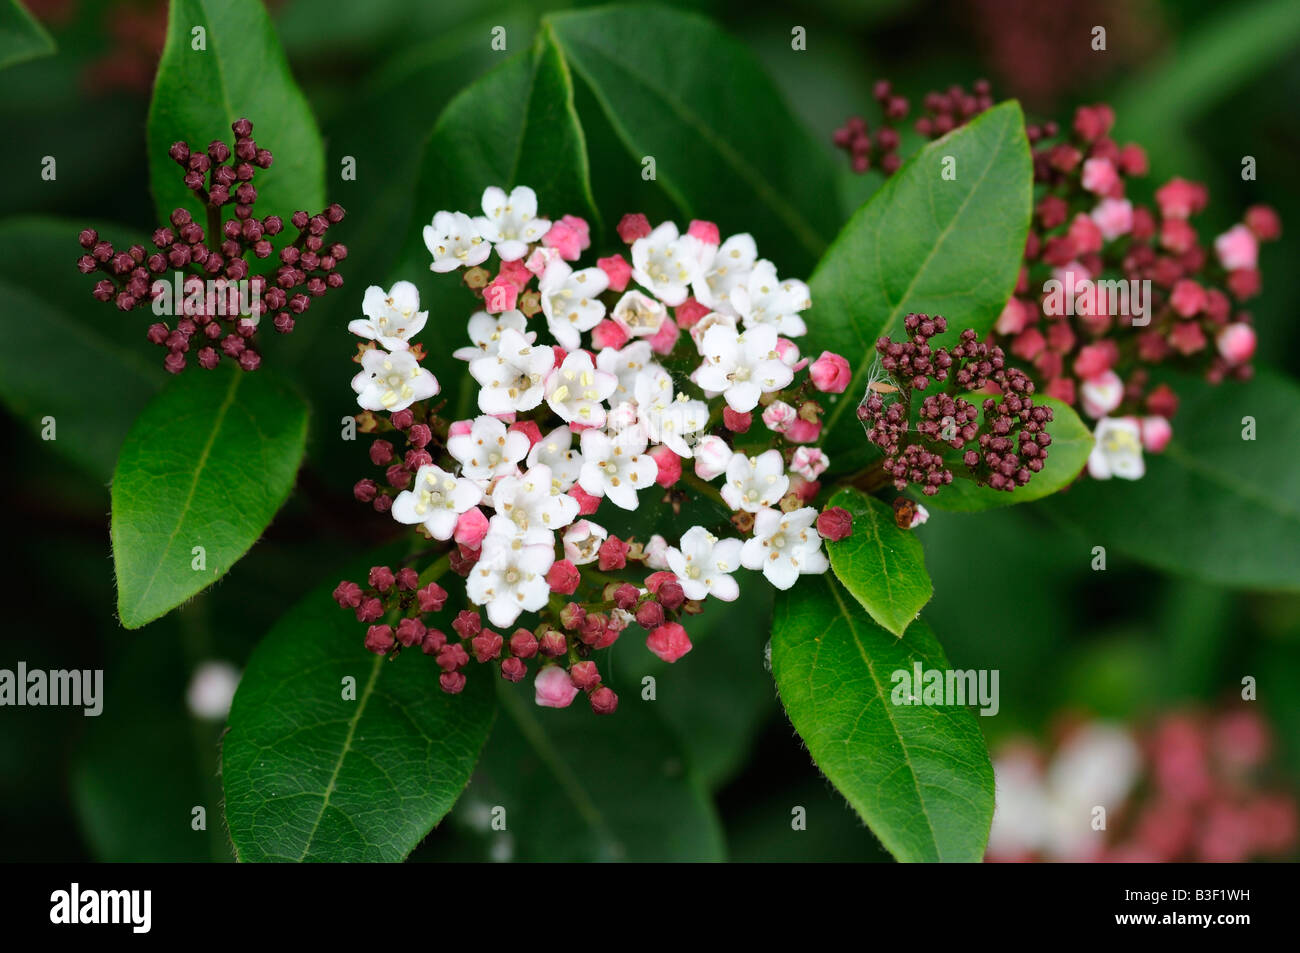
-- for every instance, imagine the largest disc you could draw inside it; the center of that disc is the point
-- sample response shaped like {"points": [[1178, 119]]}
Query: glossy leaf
{"points": [[726, 147], [881, 565], [923, 243], [1066, 457], [242, 73], [207, 464], [919, 775], [312, 775], [22, 37], [1213, 506]]}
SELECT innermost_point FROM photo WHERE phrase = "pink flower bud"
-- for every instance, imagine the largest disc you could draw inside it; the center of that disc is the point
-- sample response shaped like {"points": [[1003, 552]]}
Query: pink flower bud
{"points": [[432, 598], [608, 333], [382, 578], [605, 702], [1085, 234], [633, 226], [612, 554], [1163, 402], [779, 415], [1028, 343], [553, 688], [712, 454], [563, 577], [664, 340], [1237, 248], [1133, 160], [584, 675], [1179, 198], [809, 462], [788, 352], [1264, 222], [500, 295], [1177, 235], [1114, 217], [671, 595], [804, 431], [1156, 433], [617, 270], [1062, 388], [1102, 394], [1099, 176], [835, 523], [410, 632], [689, 312], [379, 639], [513, 669], [587, 504], [706, 232], [453, 683], [830, 373], [1187, 298], [1236, 343], [1015, 317], [670, 465], [471, 528], [370, 610], [460, 427], [452, 657], [1187, 338], [806, 490], [669, 642], [540, 259], [433, 642], [529, 429], [650, 615], [1095, 359], [566, 240], [347, 595], [486, 645], [736, 422]]}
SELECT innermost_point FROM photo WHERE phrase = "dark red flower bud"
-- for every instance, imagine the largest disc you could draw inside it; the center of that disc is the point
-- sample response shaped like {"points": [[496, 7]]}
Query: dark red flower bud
{"points": [[452, 657], [835, 523], [513, 669], [453, 683], [650, 615], [553, 643], [432, 598], [418, 436], [612, 554], [486, 645], [523, 644], [370, 610], [410, 632], [401, 419], [467, 623], [347, 595], [671, 595], [604, 701], [407, 579], [365, 490], [572, 616], [626, 595], [433, 642], [381, 453], [379, 639], [585, 675]]}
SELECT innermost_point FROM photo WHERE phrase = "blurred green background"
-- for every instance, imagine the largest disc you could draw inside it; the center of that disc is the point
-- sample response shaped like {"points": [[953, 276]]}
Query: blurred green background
{"points": [[1199, 84]]}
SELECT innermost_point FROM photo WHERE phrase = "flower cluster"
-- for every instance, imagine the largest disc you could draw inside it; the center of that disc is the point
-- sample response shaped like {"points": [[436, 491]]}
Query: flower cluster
{"points": [[1110, 289], [216, 298], [595, 385], [1190, 787], [1001, 450]]}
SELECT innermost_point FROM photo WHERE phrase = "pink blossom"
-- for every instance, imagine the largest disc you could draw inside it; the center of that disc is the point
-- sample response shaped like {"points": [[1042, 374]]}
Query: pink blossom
{"points": [[670, 642], [1099, 176], [1095, 359], [501, 295], [541, 259], [587, 504], [830, 373], [460, 427], [1187, 298], [566, 241], [1236, 343], [1156, 433], [663, 340], [1102, 394], [1062, 388], [670, 465], [515, 272], [706, 232], [471, 528], [1179, 198], [1085, 234], [563, 577], [804, 431], [529, 429], [1177, 235], [778, 416], [1015, 317], [633, 226], [1114, 217], [788, 352], [554, 688], [1237, 248], [617, 270], [689, 312], [1187, 338], [608, 333], [809, 462]]}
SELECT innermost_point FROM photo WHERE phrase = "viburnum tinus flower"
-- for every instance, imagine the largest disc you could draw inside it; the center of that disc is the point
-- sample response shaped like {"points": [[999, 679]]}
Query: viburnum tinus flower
{"points": [[1110, 289], [591, 403], [206, 279]]}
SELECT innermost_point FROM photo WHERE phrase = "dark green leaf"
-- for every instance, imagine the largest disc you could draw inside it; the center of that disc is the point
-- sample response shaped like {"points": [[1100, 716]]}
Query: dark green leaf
{"points": [[923, 243], [311, 775], [1213, 506], [242, 73], [22, 37], [46, 308], [207, 464], [726, 146], [919, 775], [1068, 455], [881, 565]]}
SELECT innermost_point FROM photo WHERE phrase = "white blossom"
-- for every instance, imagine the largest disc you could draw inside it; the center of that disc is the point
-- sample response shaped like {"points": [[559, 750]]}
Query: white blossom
{"points": [[510, 222], [765, 300], [784, 546], [455, 242], [514, 378], [392, 381], [436, 499], [488, 451], [727, 270], [712, 455], [667, 263], [754, 483], [485, 331], [392, 317], [534, 505], [510, 575], [576, 390], [571, 301], [1117, 451], [555, 451], [582, 542], [668, 419], [741, 366], [639, 315], [703, 564], [626, 363], [616, 467]]}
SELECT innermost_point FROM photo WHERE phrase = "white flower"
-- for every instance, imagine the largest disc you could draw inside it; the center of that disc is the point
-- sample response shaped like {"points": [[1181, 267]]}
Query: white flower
{"points": [[488, 451], [704, 564], [392, 318], [575, 390], [510, 575], [392, 381], [534, 505], [623, 416], [727, 270], [485, 331], [554, 450], [712, 454], [1118, 450], [211, 690], [626, 363], [436, 499], [701, 327], [763, 300], [668, 263], [512, 379], [639, 315], [742, 367], [778, 416], [510, 222], [1101, 394], [921, 515], [582, 542], [570, 301], [455, 242], [755, 482], [656, 552], [784, 546], [616, 467], [667, 419], [809, 462]]}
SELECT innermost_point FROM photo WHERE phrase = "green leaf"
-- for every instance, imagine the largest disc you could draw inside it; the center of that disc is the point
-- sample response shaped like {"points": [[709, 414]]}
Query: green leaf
{"points": [[46, 308], [726, 146], [242, 73], [22, 37], [514, 126], [581, 787], [209, 463], [1066, 458], [919, 775], [923, 243], [881, 565], [311, 775], [1213, 506]]}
